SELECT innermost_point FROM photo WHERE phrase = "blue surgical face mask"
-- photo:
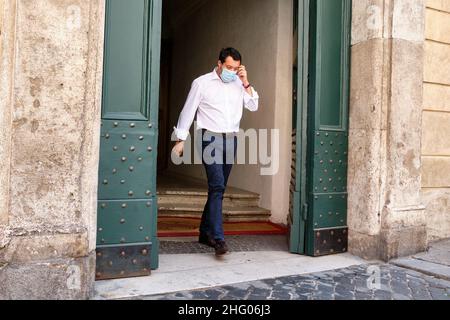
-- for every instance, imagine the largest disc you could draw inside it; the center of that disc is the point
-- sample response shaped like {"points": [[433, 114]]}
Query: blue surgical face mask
{"points": [[228, 76]]}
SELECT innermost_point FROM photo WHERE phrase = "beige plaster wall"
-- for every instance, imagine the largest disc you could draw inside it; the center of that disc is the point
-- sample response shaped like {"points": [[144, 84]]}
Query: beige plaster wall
{"points": [[262, 31], [436, 120]]}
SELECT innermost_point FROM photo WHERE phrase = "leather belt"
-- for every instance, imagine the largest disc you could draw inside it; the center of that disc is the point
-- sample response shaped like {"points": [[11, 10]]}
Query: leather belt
{"points": [[223, 134]]}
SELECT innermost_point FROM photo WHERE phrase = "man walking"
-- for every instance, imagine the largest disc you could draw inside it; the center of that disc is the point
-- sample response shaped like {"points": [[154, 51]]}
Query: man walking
{"points": [[218, 99]]}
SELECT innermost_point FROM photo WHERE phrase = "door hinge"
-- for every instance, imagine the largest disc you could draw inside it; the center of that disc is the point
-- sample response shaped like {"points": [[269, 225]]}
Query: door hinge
{"points": [[305, 211]]}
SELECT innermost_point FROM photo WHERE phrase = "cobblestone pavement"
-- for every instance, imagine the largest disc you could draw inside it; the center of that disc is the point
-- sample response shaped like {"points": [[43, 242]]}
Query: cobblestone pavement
{"points": [[235, 243], [394, 283]]}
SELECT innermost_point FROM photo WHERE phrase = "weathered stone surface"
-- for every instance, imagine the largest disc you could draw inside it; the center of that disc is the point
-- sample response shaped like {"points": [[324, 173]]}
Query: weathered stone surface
{"points": [[363, 182], [367, 20], [401, 19], [364, 245], [408, 21], [45, 247], [384, 207], [50, 76], [60, 279], [49, 106], [438, 212], [404, 124], [7, 9], [366, 110], [402, 241]]}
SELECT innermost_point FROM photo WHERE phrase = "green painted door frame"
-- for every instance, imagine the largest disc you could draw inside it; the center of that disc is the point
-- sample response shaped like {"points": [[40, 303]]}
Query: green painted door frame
{"points": [[127, 243], [297, 221], [318, 219]]}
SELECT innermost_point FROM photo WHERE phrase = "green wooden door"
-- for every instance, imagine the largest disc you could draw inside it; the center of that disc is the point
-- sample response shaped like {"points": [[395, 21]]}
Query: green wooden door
{"points": [[320, 194], [127, 243]]}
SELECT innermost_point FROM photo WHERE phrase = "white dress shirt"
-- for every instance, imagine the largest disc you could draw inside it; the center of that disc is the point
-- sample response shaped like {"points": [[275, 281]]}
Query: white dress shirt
{"points": [[218, 105]]}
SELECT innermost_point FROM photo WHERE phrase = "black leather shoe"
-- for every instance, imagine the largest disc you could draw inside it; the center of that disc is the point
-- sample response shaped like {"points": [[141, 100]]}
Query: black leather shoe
{"points": [[221, 248], [207, 240]]}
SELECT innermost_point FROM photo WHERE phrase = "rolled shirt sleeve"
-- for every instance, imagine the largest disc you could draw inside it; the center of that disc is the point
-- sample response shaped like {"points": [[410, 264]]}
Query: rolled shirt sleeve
{"points": [[188, 113], [251, 102]]}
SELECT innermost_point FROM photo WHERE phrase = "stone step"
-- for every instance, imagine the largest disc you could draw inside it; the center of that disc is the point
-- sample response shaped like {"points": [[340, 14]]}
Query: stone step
{"points": [[181, 196], [230, 213], [199, 198]]}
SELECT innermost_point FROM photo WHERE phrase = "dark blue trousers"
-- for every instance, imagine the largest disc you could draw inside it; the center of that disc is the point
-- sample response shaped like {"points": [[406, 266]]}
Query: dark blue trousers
{"points": [[218, 173]]}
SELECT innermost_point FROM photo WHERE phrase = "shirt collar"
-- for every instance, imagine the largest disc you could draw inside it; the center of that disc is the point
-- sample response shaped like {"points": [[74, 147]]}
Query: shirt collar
{"points": [[214, 75]]}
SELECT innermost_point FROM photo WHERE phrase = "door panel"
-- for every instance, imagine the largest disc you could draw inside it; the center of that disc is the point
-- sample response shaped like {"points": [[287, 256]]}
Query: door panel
{"points": [[318, 219], [126, 59], [328, 127], [127, 243]]}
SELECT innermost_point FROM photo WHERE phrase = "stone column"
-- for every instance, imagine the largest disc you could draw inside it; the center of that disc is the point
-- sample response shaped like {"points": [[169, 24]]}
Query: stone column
{"points": [[386, 215], [51, 66]]}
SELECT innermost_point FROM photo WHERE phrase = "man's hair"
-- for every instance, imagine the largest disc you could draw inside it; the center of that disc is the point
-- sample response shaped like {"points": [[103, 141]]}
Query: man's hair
{"points": [[229, 52]]}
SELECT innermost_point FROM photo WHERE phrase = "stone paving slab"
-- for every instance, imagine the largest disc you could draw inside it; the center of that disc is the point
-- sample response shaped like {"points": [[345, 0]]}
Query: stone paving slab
{"points": [[433, 269], [439, 252], [435, 261], [352, 283]]}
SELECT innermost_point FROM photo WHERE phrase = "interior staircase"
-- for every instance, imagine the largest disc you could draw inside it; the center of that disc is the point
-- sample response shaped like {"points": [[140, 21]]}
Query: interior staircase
{"points": [[186, 197]]}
